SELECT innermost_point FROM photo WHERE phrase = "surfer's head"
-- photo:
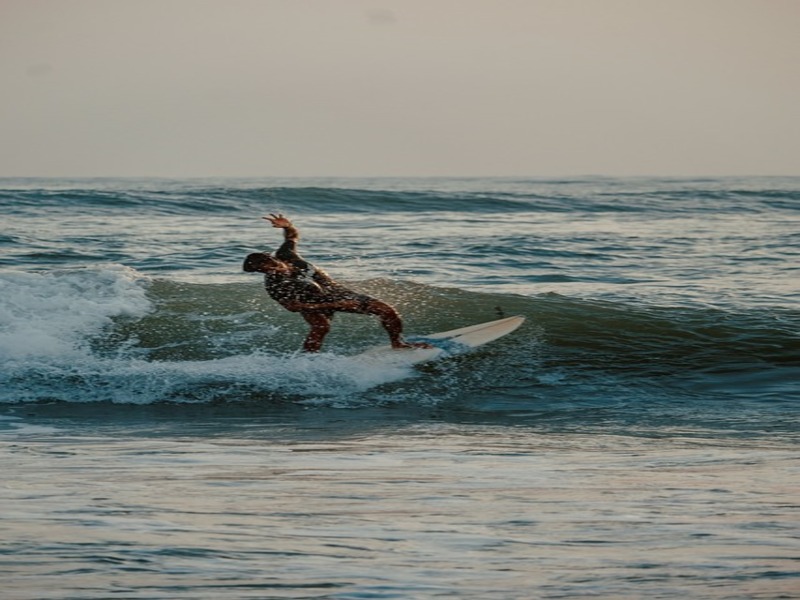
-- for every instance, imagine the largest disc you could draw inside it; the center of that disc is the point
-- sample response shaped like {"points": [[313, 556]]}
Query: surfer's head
{"points": [[262, 262]]}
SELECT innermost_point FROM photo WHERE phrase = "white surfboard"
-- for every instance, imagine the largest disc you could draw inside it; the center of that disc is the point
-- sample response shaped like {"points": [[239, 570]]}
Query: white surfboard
{"points": [[444, 344]]}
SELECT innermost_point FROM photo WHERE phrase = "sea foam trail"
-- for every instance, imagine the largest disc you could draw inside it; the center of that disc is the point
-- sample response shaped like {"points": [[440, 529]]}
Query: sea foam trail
{"points": [[58, 342], [259, 376]]}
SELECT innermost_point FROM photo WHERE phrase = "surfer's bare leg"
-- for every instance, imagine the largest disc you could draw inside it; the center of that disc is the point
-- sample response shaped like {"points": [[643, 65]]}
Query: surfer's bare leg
{"points": [[317, 315], [392, 323], [320, 326]]}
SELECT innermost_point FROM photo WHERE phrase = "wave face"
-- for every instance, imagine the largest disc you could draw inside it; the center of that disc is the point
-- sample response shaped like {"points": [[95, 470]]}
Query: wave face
{"points": [[113, 335], [649, 303]]}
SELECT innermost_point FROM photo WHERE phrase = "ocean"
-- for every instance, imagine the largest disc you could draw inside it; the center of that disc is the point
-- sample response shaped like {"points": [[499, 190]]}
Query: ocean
{"points": [[162, 437]]}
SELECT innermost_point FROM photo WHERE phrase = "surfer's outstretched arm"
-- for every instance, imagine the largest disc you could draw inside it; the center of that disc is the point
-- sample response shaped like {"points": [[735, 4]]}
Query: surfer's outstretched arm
{"points": [[288, 250]]}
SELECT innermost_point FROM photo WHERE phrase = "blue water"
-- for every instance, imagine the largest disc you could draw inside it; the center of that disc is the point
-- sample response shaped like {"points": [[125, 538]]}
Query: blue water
{"points": [[637, 437]]}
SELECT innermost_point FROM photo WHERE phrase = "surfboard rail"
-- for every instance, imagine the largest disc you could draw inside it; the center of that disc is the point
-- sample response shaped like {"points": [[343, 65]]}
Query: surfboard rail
{"points": [[445, 343]]}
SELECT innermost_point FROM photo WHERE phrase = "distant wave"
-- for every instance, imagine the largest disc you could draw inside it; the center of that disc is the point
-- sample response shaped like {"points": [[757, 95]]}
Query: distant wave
{"points": [[593, 197]]}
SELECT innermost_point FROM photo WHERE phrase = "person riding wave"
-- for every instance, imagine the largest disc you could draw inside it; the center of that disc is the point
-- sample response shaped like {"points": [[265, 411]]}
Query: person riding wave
{"points": [[301, 287]]}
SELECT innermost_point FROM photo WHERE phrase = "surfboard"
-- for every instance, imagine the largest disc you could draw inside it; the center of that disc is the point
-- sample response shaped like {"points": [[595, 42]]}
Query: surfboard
{"points": [[444, 343]]}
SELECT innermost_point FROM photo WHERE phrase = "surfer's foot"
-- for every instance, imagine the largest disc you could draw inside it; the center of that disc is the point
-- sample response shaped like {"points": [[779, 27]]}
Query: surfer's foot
{"points": [[402, 345]]}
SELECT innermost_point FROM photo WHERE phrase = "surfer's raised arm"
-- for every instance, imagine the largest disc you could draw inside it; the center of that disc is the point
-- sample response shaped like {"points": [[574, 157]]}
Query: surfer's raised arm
{"points": [[291, 235], [290, 232]]}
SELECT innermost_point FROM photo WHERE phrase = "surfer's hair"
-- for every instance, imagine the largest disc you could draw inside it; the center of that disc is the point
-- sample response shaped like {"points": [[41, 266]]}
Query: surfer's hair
{"points": [[254, 261]]}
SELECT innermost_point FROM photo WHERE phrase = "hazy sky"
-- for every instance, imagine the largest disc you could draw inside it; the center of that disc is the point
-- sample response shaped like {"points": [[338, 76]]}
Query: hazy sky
{"points": [[399, 87]]}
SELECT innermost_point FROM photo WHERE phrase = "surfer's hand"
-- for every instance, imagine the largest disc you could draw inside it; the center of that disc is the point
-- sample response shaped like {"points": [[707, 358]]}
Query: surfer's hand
{"points": [[278, 221]]}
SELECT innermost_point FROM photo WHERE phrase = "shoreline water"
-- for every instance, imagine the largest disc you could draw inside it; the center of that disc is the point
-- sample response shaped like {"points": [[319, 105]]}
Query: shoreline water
{"points": [[443, 510]]}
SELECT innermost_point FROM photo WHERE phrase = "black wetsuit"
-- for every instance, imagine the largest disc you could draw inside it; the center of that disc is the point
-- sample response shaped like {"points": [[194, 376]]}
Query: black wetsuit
{"points": [[306, 283]]}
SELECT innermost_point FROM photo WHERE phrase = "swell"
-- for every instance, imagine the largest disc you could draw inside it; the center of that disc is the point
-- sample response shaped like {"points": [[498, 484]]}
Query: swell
{"points": [[664, 340], [115, 336], [467, 196], [618, 335]]}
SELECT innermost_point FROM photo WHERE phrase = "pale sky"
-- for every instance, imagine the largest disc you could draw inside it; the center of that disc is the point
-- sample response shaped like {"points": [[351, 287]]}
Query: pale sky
{"points": [[186, 88]]}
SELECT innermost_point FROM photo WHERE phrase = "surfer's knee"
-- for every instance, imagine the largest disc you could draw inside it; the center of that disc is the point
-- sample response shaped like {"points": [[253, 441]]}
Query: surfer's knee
{"points": [[381, 309]]}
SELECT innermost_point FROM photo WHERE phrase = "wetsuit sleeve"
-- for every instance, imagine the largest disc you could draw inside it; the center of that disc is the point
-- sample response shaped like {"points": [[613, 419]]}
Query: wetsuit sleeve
{"points": [[288, 253], [288, 250]]}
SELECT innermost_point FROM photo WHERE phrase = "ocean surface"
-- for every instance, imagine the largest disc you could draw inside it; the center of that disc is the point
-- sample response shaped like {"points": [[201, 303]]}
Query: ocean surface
{"points": [[162, 437]]}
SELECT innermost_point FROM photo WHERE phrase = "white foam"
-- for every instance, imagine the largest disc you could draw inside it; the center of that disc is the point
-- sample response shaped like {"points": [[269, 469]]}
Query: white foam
{"points": [[305, 375], [28, 429], [50, 315], [47, 322], [138, 381]]}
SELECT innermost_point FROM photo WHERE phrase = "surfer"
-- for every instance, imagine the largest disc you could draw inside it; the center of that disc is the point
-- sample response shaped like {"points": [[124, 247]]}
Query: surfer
{"points": [[299, 286]]}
